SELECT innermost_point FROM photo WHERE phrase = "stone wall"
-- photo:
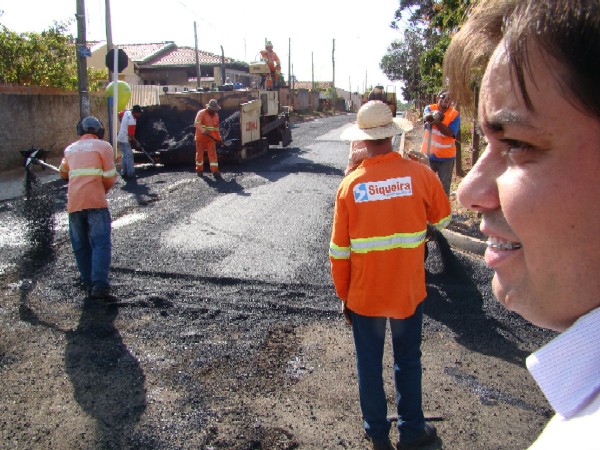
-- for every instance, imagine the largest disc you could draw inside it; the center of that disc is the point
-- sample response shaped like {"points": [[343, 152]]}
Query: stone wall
{"points": [[40, 117]]}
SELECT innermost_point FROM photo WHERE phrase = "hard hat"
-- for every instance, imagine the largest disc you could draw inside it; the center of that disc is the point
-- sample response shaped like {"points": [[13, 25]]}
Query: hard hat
{"points": [[90, 125], [268, 44]]}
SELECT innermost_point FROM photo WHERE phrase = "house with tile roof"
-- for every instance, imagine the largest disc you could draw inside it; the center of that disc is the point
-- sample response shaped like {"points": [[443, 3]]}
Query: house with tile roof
{"points": [[166, 64]]}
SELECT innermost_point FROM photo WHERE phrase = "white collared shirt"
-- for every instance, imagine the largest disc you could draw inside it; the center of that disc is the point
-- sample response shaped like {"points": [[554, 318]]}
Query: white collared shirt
{"points": [[567, 370]]}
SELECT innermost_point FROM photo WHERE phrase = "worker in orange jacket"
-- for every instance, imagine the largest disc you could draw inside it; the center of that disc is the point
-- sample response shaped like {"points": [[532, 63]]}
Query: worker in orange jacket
{"points": [[207, 137], [89, 166], [274, 64], [382, 209], [442, 124]]}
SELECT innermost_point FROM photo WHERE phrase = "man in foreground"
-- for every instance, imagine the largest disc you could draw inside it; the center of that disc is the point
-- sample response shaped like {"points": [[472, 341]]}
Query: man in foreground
{"points": [[376, 252], [88, 165], [537, 187]]}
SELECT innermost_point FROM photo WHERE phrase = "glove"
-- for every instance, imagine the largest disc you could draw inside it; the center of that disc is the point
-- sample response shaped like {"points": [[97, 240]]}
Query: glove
{"points": [[438, 116], [428, 118], [417, 156]]}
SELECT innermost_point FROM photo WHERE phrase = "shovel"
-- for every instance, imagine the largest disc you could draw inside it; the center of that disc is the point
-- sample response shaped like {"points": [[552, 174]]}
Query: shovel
{"points": [[430, 128], [33, 160], [141, 147]]}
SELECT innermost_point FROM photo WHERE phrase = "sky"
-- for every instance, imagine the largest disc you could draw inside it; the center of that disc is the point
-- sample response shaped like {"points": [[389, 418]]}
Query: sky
{"points": [[309, 28]]}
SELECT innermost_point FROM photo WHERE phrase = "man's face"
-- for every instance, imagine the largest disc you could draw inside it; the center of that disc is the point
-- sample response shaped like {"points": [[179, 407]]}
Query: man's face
{"points": [[538, 187], [443, 102]]}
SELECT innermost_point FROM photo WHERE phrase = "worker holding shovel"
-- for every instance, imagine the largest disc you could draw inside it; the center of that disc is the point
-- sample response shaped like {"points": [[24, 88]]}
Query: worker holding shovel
{"points": [[88, 165], [207, 136], [442, 123]]}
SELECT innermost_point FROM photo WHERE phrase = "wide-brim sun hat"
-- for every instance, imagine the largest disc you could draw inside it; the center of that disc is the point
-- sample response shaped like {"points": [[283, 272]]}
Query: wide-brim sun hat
{"points": [[374, 121]]}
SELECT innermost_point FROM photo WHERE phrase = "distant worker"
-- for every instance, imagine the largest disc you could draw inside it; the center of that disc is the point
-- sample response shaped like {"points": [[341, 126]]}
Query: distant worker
{"points": [[88, 165], [207, 136], [127, 141], [442, 123], [270, 57]]}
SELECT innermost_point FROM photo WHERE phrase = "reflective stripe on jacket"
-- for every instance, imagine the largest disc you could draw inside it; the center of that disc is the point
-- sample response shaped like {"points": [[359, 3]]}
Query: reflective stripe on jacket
{"points": [[205, 122], [442, 146], [89, 166], [377, 242]]}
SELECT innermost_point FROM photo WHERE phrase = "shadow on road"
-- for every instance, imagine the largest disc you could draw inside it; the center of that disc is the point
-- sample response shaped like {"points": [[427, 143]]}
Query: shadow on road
{"points": [[455, 301], [108, 382], [140, 191]]}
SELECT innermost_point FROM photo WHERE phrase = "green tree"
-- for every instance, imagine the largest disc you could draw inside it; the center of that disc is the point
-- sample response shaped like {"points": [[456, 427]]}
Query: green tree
{"points": [[43, 59], [402, 62], [428, 25]]}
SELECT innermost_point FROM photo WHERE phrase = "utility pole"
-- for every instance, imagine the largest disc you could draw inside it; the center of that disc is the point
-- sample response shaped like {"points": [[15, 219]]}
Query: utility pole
{"points": [[109, 41], [84, 98], [333, 92], [312, 66], [289, 61], [197, 57], [113, 119]]}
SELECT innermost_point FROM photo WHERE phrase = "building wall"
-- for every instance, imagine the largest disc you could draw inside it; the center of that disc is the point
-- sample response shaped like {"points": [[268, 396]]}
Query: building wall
{"points": [[45, 118], [98, 62]]}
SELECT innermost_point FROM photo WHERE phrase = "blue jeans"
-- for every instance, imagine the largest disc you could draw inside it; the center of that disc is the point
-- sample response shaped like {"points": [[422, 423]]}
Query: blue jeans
{"points": [[127, 167], [90, 238], [369, 339]]}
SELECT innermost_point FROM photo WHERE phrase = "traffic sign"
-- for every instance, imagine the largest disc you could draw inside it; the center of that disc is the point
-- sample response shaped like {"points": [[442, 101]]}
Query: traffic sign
{"points": [[122, 60]]}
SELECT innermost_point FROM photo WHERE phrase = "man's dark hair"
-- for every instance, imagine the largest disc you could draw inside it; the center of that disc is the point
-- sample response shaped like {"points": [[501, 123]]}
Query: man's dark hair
{"points": [[569, 32]]}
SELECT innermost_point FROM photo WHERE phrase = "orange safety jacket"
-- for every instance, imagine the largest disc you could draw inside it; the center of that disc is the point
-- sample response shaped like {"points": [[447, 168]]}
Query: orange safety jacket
{"points": [[89, 166], [271, 58], [442, 146], [205, 122], [379, 227]]}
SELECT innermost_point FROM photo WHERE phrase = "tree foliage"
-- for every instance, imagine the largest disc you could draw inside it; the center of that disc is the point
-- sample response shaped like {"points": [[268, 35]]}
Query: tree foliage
{"points": [[402, 62], [417, 59], [43, 59]]}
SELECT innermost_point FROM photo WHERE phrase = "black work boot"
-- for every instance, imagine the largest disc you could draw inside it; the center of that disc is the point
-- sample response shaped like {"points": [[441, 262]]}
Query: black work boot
{"points": [[383, 445], [427, 436], [100, 292]]}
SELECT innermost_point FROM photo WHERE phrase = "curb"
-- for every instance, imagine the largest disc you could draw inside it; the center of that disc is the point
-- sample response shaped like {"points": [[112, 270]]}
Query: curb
{"points": [[465, 243]]}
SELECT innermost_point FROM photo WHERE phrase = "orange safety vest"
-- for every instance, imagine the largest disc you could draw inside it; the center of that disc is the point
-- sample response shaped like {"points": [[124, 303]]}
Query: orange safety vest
{"points": [[442, 146], [205, 122], [89, 166], [271, 58], [379, 227]]}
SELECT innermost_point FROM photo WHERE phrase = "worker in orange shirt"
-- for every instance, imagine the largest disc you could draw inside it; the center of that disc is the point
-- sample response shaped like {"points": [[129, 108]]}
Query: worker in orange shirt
{"points": [[207, 137], [89, 166], [274, 64], [376, 252]]}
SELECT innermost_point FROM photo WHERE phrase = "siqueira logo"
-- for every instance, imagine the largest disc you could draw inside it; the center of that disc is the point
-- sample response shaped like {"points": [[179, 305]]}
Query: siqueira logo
{"points": [[383, 190]]}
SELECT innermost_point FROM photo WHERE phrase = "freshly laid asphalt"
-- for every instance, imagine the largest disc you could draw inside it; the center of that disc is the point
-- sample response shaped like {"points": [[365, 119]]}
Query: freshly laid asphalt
{"points": [[12, 186]]}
